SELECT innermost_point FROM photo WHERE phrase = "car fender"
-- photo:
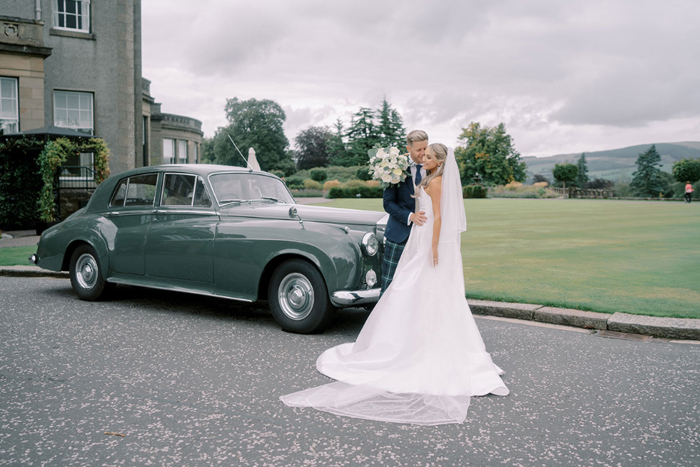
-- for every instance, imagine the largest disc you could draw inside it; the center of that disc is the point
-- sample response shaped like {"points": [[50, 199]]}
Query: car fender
{"points": [[58, 243]]}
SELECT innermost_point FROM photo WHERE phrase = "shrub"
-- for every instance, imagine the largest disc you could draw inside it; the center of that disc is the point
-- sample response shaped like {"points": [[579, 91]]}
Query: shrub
{"points": [[541, 184], [333, 172], [318, 175], [307, 193], [294, 182], [278, 173], [525, 191], [513, 185], [312, 184], [363, 174], [354, 184], [330, 184], [540, 178], [20, 182], [352, 192], [372, 183], [474, 191]]}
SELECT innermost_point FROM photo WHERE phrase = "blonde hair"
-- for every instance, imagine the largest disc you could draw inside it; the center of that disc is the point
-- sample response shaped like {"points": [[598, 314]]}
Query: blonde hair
{"points": [[440, 152], [416, 135]]}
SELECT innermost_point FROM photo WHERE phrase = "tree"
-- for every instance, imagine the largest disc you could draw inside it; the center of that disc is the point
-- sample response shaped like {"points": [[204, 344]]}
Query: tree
{"points": [[599, 183], [538, 178], [391, 129], [313, 147], [490, 152], [362, 135], [565, 172], [207, 151], [687, 170], [647, 180], [338, 152], [582, 177], [254, 124]]}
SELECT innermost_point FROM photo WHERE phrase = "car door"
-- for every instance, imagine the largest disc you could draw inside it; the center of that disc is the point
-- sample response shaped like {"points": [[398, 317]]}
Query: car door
{"points": [[129, 217], [180, 241]]}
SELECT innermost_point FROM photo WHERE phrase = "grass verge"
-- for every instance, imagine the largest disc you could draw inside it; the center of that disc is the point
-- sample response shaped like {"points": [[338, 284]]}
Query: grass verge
{"points": [[16, 255]]}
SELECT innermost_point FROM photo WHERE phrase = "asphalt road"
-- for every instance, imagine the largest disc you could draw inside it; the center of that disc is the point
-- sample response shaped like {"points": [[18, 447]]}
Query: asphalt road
{"points": [[195, 381]]}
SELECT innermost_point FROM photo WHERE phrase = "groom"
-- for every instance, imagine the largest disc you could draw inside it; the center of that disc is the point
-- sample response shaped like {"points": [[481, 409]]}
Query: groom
{"points": [[400, 204]]}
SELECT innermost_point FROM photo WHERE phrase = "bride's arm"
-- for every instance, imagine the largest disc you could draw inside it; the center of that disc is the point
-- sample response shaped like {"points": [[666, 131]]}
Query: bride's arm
{"points": [[435, 195]]}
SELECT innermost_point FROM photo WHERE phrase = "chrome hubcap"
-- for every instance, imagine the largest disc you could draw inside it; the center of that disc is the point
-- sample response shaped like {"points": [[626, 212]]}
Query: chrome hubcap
{"points": [[86, 271], [296, 296]]}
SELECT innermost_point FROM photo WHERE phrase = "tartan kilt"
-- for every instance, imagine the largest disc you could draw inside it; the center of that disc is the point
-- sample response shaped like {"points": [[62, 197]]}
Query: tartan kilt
{"points": [[392, 254]]}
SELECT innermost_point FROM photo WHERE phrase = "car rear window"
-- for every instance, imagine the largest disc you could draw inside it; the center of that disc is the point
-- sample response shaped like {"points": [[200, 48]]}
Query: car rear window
{"points": [[138, 190]]}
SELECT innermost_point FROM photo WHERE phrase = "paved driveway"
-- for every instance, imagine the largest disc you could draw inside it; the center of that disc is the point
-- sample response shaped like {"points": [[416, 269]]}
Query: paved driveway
{"points": [[195, 381]]}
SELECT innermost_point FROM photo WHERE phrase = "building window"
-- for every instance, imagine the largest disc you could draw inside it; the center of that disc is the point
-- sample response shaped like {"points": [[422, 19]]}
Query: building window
{"points": [[72, 15], [168, 151], [182, 151], [9, 113], [73, 110]]}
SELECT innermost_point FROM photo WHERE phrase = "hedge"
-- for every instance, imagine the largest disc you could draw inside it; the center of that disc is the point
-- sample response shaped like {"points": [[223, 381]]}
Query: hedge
{"points": [[20, 182], [363, 191], [474, 191]]}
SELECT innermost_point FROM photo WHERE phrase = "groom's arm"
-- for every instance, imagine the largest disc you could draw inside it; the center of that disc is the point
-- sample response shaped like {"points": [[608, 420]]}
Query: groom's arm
{"points": [[391, 205]]}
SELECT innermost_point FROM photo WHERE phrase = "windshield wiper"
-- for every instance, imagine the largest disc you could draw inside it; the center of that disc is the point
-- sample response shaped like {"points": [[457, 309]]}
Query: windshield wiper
{"points": [[229, 201], [266, 198]]}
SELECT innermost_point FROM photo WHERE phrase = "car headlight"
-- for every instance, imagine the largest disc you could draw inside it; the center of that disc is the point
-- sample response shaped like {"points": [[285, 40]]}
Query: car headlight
{"points": [[370, 244], [371, 278]]}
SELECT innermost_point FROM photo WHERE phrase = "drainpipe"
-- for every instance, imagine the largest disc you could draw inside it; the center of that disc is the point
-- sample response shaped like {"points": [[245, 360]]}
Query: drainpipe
{"points": [[37, 10]]}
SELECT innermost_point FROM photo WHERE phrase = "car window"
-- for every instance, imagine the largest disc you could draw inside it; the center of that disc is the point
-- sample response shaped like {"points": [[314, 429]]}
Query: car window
{"points": [[135, 191], [178, 190], [201, 197], [232, 187]]}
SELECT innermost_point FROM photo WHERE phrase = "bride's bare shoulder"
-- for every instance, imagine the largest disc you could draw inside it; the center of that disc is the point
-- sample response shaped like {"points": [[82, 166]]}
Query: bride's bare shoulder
{"points": [[434, 186]]}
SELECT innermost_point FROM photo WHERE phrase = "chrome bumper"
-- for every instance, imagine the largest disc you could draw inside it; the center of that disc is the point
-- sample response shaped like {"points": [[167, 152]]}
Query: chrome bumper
{"points": [[345, 298]]}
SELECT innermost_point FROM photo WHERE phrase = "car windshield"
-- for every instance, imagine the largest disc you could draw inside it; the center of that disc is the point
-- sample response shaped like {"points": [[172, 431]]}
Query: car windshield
{"points": [[248, 188]]}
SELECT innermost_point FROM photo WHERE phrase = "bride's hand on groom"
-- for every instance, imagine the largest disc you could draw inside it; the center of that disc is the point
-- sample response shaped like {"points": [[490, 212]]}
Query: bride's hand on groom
{"points": [[418, 218]]}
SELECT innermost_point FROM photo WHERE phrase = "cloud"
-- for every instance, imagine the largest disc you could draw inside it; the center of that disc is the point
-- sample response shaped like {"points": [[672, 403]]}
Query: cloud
{"points": [[559, 74]]}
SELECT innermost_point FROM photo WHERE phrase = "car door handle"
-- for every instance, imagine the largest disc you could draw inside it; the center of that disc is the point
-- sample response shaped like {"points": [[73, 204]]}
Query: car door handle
{"points": [[114, 213]]}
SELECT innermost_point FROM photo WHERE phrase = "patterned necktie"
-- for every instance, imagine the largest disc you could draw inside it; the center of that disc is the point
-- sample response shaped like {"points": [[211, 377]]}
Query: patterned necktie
{"points": [[418, 175]]}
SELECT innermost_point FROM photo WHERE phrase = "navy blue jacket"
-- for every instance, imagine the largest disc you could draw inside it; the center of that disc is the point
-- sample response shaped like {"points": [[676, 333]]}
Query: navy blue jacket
{"points": [[399, 203]]}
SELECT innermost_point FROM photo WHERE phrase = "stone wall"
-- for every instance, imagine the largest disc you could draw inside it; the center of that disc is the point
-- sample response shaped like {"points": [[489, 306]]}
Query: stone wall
{"points": [[22, 55]]}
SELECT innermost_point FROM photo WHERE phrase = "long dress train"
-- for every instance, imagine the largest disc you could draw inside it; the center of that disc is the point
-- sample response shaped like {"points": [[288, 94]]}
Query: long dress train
{"points": [[419, 357]]}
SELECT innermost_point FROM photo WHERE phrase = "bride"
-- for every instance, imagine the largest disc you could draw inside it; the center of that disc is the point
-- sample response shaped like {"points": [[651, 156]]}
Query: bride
{"points": [[419, 357]]}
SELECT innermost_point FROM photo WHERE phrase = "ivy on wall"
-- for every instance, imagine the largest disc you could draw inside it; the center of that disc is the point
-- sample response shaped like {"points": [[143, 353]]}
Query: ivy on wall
{"points": [[54, 155]]}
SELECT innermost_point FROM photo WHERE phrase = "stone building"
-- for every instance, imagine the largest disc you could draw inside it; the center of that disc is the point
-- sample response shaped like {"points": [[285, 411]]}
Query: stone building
{"points": [[77, 64]]}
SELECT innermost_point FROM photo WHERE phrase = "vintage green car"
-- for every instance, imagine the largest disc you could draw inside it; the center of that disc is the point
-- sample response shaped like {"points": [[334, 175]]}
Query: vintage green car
{"points": [[222, 231]]}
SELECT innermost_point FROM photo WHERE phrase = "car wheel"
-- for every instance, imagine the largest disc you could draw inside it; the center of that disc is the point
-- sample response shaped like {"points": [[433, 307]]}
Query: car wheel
{"points": [[85, 274], [298, 297]]}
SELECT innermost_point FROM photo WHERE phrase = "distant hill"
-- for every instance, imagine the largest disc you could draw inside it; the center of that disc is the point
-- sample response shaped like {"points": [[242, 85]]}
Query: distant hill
{"points": [[615, 164]]}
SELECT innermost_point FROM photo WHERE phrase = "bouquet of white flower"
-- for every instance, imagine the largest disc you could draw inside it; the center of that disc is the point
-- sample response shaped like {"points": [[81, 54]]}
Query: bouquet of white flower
{"points": [[388, 165]]}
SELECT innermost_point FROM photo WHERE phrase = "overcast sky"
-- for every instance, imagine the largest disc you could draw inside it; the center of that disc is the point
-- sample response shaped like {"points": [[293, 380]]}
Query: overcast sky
{"points": [[564, 76]]}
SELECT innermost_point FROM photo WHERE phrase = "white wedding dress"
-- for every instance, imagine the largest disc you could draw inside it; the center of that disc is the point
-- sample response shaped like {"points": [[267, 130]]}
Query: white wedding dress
{"points": [[419, 357]]}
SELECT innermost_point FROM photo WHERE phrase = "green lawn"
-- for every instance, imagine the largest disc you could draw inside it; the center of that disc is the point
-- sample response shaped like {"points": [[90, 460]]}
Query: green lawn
{"points": [[606, 256], [16, 255]]}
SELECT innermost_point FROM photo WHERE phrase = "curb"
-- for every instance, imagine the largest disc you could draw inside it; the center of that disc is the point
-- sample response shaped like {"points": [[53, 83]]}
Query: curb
{"points": [[31, 271], [667, 328]]}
